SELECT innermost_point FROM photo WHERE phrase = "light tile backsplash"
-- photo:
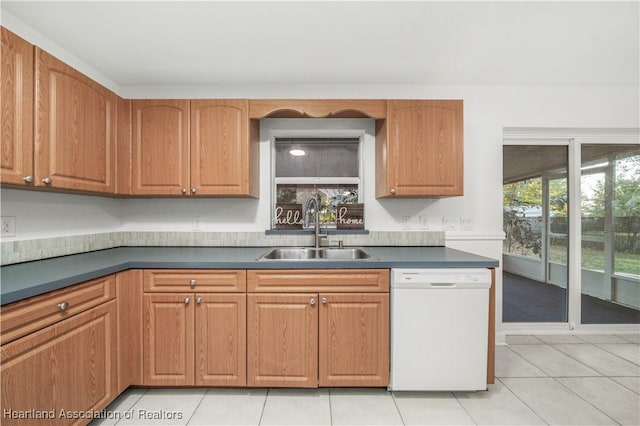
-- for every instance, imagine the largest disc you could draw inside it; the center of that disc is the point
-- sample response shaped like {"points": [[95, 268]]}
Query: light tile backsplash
{"points": [[36, 249]]}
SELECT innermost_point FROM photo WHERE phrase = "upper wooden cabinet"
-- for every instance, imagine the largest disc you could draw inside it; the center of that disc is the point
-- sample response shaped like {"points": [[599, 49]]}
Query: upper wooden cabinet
{"points": [[225, 153], [419, 149], [75, 129], [199, 147], [160, 147], [16, 121]]}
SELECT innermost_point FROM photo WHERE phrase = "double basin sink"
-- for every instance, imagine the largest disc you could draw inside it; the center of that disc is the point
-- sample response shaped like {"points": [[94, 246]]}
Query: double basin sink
{"points": [[310, 253]]}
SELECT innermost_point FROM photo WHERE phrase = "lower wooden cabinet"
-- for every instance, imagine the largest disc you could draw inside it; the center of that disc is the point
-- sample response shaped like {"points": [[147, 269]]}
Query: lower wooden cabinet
{"points": [[318, 339], [353, 343], [282, 340], [61, 371], [194, 339], [221, 339]]}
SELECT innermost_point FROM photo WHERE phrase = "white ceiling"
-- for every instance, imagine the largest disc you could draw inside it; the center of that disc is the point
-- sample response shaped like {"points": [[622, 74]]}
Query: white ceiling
{"points": [[435, 43]]}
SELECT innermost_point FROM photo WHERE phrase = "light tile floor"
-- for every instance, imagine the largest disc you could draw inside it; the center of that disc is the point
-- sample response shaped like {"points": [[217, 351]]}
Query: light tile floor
{"points": [[555, 380]]}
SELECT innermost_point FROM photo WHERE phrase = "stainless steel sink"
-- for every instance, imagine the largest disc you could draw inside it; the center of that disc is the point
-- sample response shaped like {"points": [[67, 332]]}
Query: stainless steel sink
{"points": [[309, 253], [301, 253], [343, 253]]}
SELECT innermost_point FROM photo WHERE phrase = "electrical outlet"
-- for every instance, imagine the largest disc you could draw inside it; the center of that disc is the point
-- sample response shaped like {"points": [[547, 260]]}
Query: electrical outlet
{"points": [[450, 223], [431, 223], [8, 226], [406, 222], [466, 223], [197, 223]]}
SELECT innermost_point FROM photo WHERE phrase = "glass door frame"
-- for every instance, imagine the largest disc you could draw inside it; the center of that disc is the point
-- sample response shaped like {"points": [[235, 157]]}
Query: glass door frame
{"points": [[573, 139]]}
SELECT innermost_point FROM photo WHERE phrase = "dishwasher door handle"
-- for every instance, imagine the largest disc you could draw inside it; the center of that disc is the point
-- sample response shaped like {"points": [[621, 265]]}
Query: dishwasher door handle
{"points": [[442, 285]]}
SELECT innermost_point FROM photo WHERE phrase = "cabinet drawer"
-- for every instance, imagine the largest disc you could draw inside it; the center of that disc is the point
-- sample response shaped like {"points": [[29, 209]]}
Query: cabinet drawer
{"points": [[208, 281], [68, 366], [26, 316], [305, 280]]}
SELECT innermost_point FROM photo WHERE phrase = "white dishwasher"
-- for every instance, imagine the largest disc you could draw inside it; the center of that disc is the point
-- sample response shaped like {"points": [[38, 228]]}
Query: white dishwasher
{"points": [[439, 329]]}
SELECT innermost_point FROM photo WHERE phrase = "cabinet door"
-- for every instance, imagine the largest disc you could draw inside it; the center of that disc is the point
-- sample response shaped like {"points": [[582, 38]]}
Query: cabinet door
{"points": [[282, 339], [221, 148], [68, 366], [221, 338], [17, 110], [75, 129], [168, 349], [420, 149], [354, 339], [160, 147]]}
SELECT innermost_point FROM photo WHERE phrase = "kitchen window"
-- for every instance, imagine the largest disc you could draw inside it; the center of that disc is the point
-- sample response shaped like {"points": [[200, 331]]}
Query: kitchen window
{"points": [[328, 168]]}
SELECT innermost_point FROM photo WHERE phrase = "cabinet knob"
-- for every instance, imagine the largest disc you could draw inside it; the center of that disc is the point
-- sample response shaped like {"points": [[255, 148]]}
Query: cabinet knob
{"points": [[63, 306], [392, 191], [47, 180], [192, 283], [187, 300], [324, 300], [198, 300], [28, 179], [312, 301], [184, 191], [193, 190]]}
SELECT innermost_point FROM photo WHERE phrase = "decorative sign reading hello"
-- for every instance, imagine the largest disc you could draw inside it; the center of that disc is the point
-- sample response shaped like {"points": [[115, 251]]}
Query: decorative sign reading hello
{"points": [[350, 216], [288, 216]]}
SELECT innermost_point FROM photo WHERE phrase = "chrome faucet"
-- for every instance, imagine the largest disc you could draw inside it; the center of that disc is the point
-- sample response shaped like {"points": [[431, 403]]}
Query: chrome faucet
{"points": [[312, 208]]}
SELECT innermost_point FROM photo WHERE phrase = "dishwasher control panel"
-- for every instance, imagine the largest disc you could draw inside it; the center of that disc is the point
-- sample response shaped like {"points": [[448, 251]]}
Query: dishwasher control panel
{"points": [[441, 277]]}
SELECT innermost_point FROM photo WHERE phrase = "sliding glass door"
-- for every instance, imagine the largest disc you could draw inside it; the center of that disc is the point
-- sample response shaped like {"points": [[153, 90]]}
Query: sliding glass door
{"points": [[546, 279], [610, 193], [535, 249]]}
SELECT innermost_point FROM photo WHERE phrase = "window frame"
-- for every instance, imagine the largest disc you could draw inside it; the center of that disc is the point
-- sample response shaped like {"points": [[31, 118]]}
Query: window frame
{"points": [[315, 133]]}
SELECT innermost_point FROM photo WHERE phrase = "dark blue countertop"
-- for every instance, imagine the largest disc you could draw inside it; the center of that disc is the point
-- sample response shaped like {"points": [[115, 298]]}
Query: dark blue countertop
{"points": [[28, 279]]}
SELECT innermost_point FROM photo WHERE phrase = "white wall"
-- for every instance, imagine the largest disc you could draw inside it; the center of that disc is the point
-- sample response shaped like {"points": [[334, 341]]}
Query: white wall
{"points": [[44, 214]]}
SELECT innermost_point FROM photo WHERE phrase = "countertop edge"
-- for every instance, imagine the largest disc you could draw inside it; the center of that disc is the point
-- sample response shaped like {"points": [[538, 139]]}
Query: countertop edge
{"points": [[31, 279]]}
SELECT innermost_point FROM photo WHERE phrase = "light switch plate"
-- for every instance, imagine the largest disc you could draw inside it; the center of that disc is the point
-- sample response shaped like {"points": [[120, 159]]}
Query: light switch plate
{"points": [[8, 226]]}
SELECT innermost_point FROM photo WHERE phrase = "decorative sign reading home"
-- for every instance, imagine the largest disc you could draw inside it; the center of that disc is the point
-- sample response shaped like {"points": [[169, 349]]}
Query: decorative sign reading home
{"points": [[288, 216], [350, 216]]}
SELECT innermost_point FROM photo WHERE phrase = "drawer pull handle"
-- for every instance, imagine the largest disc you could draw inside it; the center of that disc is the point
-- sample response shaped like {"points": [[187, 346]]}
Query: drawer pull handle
{"points": [[324, 300], [63, 306], [187, 300], [312, 301], [192, 283], [198, 300]]}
